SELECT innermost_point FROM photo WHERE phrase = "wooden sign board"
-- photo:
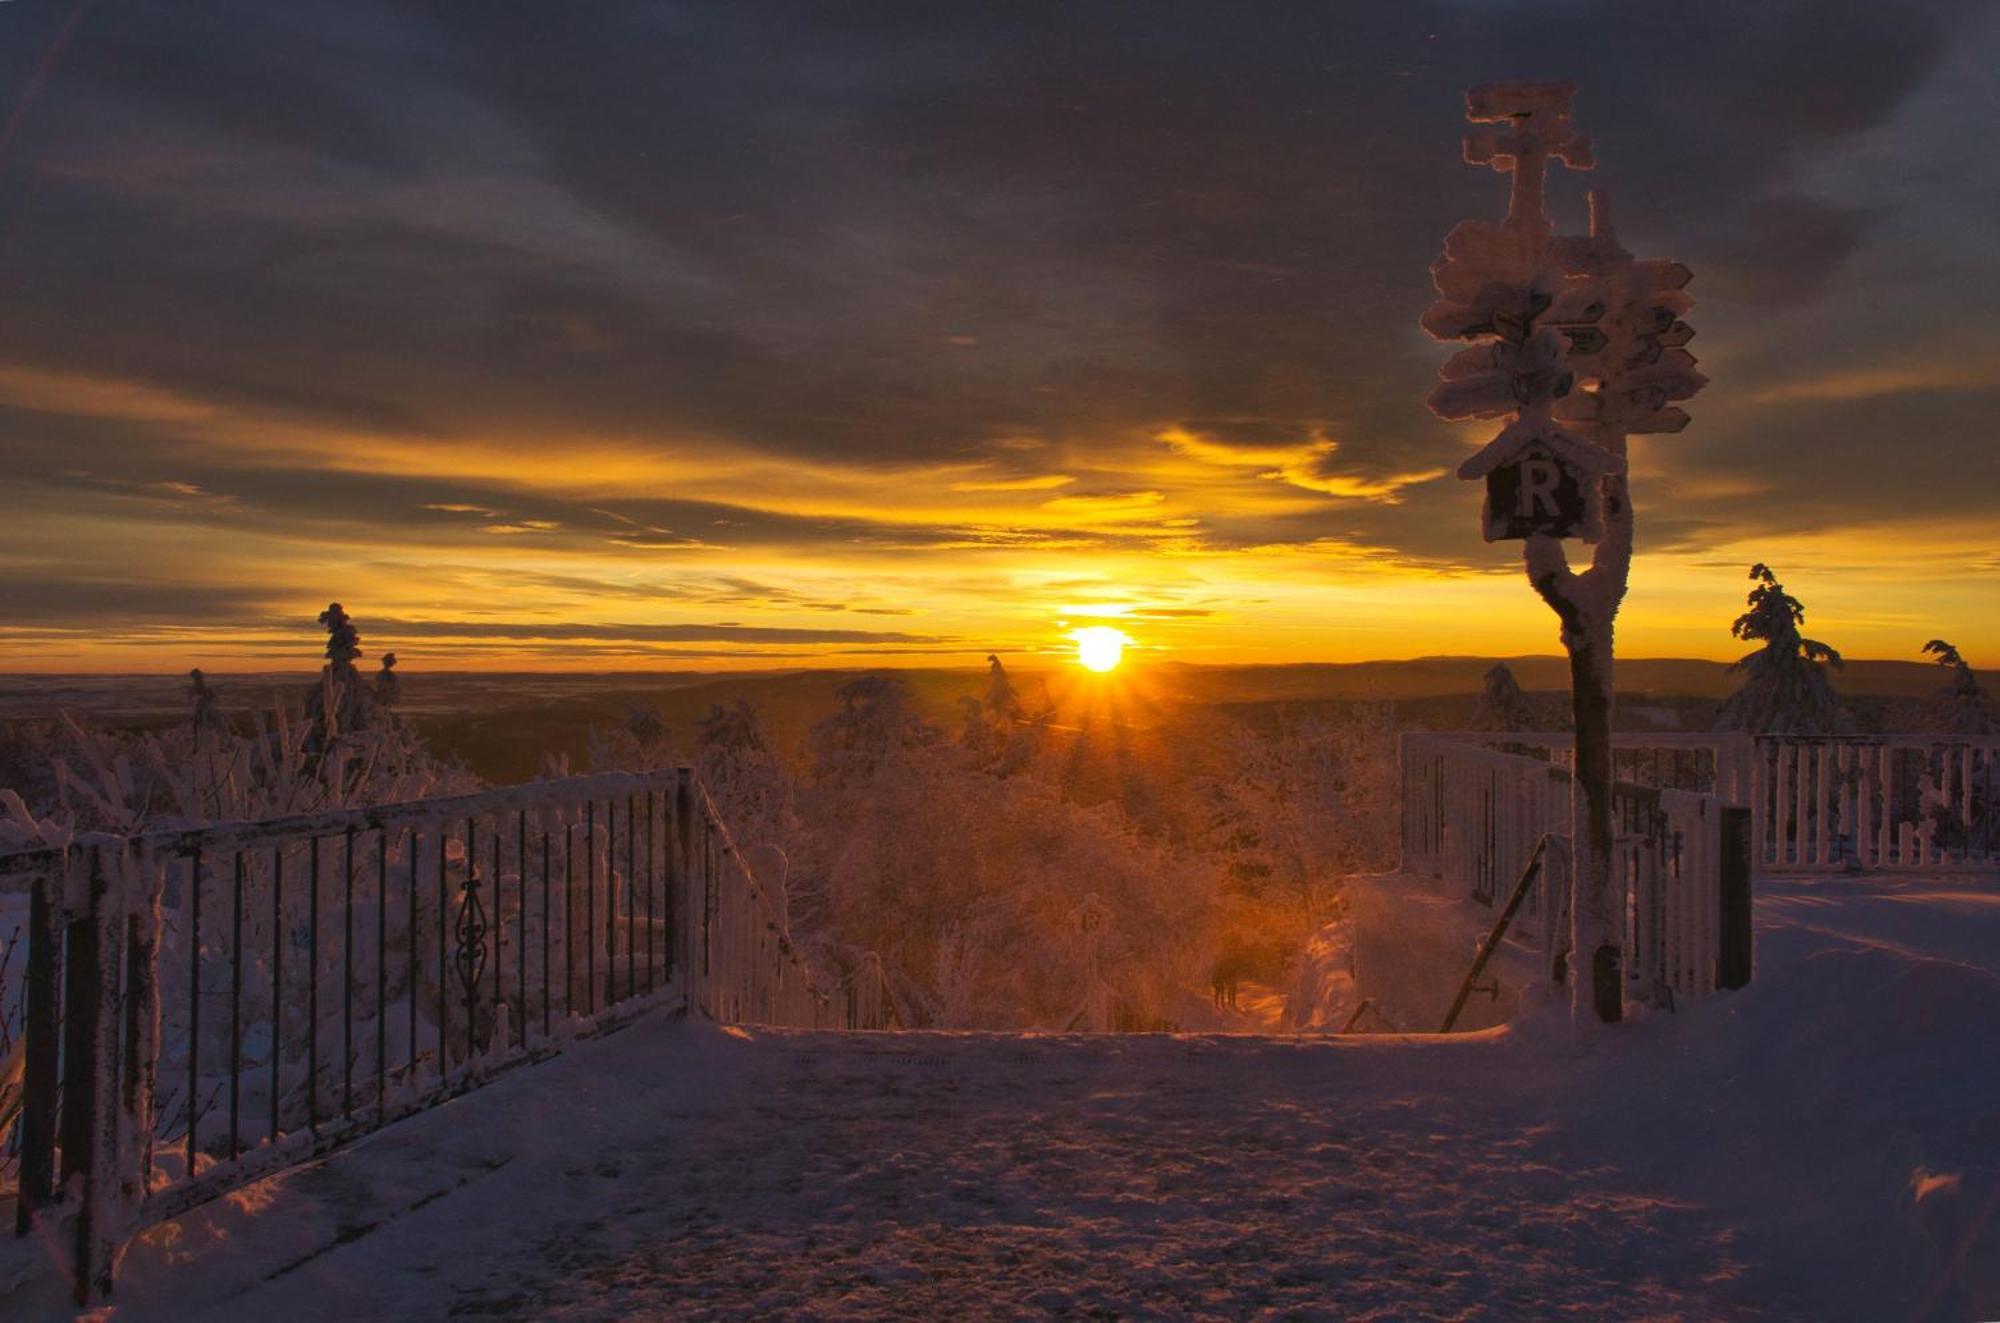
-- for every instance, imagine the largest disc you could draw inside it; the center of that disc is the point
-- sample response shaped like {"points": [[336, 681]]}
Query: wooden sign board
{"points": [[1539, 491], [1541, 479]]}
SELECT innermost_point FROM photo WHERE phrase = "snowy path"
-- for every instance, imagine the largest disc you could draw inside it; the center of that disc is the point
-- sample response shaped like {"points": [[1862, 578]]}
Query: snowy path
{"points": [[1823, 1145], [683, 1170]]}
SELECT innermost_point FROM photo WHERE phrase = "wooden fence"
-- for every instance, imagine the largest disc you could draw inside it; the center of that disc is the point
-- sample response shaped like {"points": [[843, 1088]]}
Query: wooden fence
{"points": [[1885, 803], [1473, 815]]}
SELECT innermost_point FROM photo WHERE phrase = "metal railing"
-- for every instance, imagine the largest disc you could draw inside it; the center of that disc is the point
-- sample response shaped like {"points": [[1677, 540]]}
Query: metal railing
{"points": [[1883, 803], [204, 1006], [1473, 815]]}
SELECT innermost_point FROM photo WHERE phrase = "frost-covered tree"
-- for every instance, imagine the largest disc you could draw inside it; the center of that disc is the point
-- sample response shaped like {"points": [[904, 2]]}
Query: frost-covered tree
{"points": [[1001, 701], [877, 721], [388, 686], [340, 702], [204, 708], [1296, 810], [1787, 689], [736, 759], [1961, 707], [343, 640], [1502, 704], [966, 881], [997, 726]]}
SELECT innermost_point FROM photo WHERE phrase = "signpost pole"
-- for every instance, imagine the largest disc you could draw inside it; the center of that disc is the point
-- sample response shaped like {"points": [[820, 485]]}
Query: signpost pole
{"points": [[1576, 344]]}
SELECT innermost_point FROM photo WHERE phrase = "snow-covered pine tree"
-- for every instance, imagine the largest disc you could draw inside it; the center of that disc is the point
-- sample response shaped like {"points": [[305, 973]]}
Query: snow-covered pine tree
{"points": [[343, 640], [339, 702], [388, 686], [877, 720], [1786, 688], [1002, 703], [999, 730], [204, 708], [1503, 705], [1961, 707]]}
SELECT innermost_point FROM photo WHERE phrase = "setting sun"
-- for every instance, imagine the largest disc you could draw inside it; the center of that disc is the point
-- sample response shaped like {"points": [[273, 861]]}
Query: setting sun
{"points": [[1100, 647]]}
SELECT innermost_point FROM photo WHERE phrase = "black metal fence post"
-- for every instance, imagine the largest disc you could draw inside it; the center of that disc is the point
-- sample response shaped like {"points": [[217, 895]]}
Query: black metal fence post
{"points": [[43, 1020], [1734, 941], [83, 1016], [142, 1039]]}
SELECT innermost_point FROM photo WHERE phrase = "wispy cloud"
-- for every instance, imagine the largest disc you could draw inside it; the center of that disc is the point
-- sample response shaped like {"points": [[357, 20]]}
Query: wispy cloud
{"points": [[1888, 379], [1303, 465]]}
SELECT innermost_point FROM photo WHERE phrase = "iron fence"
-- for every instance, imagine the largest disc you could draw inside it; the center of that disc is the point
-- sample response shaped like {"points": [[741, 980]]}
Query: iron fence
{"points": [[204, 1006]]}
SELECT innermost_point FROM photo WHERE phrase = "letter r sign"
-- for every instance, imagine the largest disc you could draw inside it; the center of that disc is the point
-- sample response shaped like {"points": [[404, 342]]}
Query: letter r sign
{"points": [[1537, 492]]}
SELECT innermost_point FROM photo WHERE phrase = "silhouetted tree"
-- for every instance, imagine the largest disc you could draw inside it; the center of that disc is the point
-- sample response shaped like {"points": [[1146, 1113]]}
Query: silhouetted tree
{"points": [[1961, 707], [340, 702], [646, 725], [388, 688], [1002, 702], [1503, 706], [877, 720], [1786, 688], [204, 709], [736, 728], [343, 641]]}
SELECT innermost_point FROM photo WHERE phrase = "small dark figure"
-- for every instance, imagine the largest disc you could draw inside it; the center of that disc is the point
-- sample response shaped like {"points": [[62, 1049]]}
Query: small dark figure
{"points": [[1224, 981]]}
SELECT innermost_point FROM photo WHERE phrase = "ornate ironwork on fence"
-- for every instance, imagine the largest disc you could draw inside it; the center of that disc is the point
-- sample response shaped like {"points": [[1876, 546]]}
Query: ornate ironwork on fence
{"points": [[206, 1005]]}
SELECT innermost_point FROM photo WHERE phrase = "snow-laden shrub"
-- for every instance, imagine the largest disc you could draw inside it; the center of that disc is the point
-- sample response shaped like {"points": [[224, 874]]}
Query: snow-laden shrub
{"points": [[969, 885], [963, 863], [1290, 813], [287, 763]]}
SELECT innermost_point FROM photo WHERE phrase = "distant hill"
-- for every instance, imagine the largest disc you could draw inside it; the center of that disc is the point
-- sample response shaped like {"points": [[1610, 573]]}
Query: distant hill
{"points": [[503, 724], [1436, 677]]}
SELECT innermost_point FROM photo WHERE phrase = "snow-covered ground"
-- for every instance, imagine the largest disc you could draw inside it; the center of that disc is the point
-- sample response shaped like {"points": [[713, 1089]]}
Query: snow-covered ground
{"points": [[1824, 1145]]}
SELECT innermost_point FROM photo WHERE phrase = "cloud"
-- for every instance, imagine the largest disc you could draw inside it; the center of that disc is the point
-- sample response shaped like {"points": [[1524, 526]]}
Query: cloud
{"points": [[1031, 483], [1302, 465], [1864, 383], [851, 293], [30, 599], [552, 631]]}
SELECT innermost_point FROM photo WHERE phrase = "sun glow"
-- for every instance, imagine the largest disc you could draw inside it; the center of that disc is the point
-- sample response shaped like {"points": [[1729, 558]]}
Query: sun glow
{"points": [[1100, 647]]}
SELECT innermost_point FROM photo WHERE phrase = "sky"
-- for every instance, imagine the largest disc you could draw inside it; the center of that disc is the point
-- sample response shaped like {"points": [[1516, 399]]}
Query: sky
{"points": [[614, 336]]}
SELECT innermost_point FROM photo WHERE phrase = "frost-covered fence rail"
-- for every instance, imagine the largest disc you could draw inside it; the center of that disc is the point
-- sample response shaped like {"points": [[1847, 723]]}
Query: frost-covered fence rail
{"points": [[1880, 803], [1897, 802], [206, 1005], [1472, 816]]}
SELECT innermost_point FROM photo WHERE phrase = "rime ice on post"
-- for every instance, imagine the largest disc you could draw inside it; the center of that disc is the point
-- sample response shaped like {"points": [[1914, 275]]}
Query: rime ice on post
{"points": [[1576, 345], [1538, 129]]}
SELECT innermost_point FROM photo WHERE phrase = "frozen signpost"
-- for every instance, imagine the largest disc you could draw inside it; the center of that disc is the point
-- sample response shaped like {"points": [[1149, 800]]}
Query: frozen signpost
{"points": [[1577, 345]]}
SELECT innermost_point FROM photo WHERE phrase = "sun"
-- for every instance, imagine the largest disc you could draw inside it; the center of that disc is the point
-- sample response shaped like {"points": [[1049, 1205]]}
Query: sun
{"points": [[1100, 647]]}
